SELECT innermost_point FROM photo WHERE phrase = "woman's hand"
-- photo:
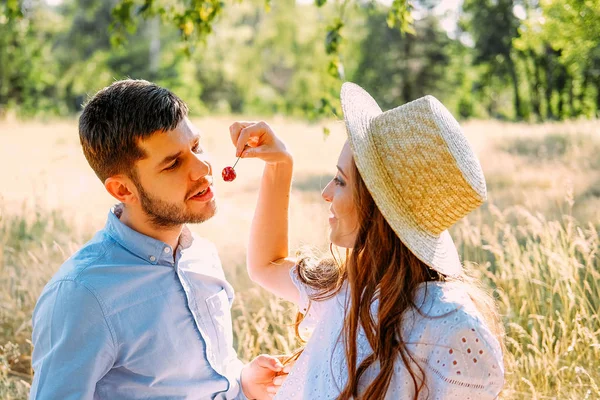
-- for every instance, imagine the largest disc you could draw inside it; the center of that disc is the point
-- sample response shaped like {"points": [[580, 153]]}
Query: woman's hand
{"points": [[288, 362], [257, 139], [262, 378], [258, 376]]}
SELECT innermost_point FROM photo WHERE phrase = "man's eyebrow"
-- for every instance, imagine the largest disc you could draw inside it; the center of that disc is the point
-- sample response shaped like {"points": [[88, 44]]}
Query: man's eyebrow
{"points": [[340, 169], [168, 159]]}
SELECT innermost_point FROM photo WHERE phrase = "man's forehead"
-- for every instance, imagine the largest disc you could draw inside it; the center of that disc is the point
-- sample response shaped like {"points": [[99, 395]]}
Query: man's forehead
{"points": [[164, 141], [164, 146]]}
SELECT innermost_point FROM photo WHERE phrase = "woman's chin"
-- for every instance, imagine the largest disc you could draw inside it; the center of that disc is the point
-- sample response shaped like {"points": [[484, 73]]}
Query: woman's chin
{"points": [[340, 242]]}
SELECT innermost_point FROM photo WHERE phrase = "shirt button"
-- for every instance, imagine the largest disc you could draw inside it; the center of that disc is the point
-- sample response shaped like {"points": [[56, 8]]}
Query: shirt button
{"points": [[167, 250], [152, 258]]}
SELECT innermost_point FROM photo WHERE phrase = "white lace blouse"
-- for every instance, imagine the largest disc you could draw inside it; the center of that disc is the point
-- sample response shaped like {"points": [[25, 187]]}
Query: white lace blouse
{"points": [[458, 353]]}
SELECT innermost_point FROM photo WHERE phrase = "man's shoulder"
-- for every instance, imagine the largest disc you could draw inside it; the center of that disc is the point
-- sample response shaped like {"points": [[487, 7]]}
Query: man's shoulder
{"points": [[91, 255]]}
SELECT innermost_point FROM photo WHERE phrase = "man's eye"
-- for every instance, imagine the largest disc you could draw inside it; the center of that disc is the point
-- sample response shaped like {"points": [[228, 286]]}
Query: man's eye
{"points": [[197, 149], [172, 166]]}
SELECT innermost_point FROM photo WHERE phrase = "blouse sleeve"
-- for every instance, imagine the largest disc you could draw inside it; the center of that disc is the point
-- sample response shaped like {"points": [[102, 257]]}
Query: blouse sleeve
{"points": [[467, 365], [312, 310]]}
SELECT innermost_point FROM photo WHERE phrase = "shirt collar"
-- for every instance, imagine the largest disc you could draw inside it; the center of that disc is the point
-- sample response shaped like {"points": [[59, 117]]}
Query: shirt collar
{"points": [[152, 250]]}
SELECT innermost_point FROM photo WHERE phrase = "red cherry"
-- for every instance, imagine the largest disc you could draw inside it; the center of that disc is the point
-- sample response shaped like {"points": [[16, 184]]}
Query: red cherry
{"points": [[228, 174]]}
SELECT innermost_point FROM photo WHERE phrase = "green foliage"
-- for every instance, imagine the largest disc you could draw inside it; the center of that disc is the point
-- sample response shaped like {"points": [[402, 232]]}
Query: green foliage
{"points": [[399, 16], [11, 10], [397, 68], [193, 19], [27, 73], [334, 37], [494, 27], [560, 40], [265, 57]]}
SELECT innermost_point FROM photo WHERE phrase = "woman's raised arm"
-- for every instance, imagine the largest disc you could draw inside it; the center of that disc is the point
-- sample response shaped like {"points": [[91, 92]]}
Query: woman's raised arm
{"points": [[268, 259]]}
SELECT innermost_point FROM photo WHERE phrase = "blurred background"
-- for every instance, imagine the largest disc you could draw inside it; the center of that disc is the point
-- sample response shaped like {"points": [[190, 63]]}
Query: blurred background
{"points": [[503, 59], [523, 78]]}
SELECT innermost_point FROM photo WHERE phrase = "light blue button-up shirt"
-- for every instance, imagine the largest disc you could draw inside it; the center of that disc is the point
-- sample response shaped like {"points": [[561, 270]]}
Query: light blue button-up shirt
{"points": [[127, 318]]}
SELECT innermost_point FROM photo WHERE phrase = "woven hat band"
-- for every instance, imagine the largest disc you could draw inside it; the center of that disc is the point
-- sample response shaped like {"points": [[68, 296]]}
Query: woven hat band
{"points": [[423, 177]]}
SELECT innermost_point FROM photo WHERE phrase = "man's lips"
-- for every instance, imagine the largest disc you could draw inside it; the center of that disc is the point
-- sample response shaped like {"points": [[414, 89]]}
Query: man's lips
{"points": [[201, 190], [200, 193]]}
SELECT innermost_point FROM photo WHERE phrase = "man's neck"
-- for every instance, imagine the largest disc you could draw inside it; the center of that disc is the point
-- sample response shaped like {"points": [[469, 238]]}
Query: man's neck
{"points": [[138, 221]]}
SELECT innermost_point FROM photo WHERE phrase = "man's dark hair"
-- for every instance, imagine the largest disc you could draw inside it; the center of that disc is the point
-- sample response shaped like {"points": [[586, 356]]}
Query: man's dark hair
{"points": [[120, 115]]}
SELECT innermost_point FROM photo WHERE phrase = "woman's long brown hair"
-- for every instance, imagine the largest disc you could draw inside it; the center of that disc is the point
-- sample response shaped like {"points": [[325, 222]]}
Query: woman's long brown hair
{"points": [[379, 266]]}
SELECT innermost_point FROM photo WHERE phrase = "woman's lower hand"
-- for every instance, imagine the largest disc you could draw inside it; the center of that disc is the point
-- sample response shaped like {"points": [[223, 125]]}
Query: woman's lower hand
{"points": [[257, 139], [288, 362]]}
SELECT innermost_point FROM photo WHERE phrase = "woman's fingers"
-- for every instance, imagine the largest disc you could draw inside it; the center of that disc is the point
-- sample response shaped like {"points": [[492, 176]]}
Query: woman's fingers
{"points": [[236, 128], [278, 380], [250, 133], [258, 140], [272, 389], [269, 362]]}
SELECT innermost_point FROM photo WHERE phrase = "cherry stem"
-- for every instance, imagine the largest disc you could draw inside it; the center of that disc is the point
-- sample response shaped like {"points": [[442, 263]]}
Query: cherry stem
{"points": [[238, 159]]}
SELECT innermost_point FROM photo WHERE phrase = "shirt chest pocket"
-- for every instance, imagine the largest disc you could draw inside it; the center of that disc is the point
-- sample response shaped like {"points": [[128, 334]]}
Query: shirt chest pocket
{"points": [[220, 315]]}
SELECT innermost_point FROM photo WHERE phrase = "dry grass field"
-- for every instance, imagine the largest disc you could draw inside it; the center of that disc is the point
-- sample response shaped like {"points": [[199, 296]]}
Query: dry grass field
{"points": [[535, 243]]}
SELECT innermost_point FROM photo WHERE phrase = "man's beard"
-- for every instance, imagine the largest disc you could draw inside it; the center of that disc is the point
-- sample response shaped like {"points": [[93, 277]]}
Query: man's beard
{"points": [[166, 215]]}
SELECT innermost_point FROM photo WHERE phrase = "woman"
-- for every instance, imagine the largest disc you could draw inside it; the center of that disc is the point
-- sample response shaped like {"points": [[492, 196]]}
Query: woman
{"points": [[397, 318]]}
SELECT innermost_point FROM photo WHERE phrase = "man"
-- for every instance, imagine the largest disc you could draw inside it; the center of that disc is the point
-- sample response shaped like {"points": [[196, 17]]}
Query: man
{"points": [[142, 311]]}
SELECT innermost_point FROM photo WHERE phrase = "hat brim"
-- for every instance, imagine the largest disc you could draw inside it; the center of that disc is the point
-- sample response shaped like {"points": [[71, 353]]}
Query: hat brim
{"points": [[436, 251]]}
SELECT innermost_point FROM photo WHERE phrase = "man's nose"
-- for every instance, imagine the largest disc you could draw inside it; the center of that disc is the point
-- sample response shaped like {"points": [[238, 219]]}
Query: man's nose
{"points": [[201, 167]]}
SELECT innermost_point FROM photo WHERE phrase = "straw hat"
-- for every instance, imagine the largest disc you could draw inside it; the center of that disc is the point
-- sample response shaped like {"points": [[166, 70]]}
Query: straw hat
{"points": [[419, 168]]}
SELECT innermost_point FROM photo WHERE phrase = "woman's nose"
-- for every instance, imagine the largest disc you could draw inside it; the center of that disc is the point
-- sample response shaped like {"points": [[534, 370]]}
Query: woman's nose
{"points": [[326, 193]]}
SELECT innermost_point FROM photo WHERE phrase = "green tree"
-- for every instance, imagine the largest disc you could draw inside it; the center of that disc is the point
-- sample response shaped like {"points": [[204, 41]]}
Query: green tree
{"points": [[562, 40], [493, 26], [398, 68], [27, 71]]}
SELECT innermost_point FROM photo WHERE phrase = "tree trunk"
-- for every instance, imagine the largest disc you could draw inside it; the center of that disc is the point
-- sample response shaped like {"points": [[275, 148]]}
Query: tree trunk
{"points": [[533, 78], [561, 85], [571, 97], [584, 87], [515, 81], [598, 96], [548, 58], [407, 94], [537, 102], [154, 53]]}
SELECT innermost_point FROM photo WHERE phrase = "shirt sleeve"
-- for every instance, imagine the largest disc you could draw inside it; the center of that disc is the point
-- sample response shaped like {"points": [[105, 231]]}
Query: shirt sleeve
{"points": [[74, 346], [241, 395]]}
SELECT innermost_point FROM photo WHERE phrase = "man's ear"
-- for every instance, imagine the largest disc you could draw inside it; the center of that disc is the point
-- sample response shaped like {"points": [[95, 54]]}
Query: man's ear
{"points": [[122, 188]]}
